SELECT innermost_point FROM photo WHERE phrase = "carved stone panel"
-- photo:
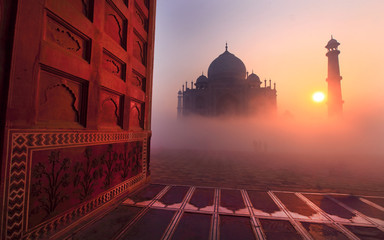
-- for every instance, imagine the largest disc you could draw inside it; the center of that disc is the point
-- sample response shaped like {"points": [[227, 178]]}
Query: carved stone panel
{"points": [[67, 37], [111, 106], [83, 6], [141, 18], [114, 65], [140, 49], [62, 99], [138, 81], [136, 115], [115, 24], [67, 177]]}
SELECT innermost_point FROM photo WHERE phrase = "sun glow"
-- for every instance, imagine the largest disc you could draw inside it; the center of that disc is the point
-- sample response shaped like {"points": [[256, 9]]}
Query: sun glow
{"points": [[318, 97]]}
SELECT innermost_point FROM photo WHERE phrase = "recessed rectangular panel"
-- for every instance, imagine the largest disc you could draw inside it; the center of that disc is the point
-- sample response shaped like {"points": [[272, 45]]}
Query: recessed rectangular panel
{"points": [[141, 18], [114, 65], [115, 24], [234, 227], [109, 225], [279, 229], [65, 36], [83, 6], [140, 49], [138, 81], [136, 115], [110, 108], [62, 98], [193, 226], [151, 226], [323, 231]]}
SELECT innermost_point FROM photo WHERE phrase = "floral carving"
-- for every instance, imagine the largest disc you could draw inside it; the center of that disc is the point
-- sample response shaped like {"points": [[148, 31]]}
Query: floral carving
{"points": [[109, 162], [86, 173], [51, 179]]}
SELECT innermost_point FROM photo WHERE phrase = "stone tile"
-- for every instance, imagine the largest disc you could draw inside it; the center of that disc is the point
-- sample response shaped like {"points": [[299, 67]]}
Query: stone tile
{"points": [[279, 229], [109, 225], [151, 226], [193, 226], [234, 228], [323, 231]]}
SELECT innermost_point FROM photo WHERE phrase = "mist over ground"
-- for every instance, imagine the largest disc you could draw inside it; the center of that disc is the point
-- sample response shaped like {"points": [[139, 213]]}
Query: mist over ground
{"points": [[358, 133], [340, 155]]}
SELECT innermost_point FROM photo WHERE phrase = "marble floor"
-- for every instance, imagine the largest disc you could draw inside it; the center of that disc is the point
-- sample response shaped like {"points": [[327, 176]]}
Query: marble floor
{"points": [[159, 211]]}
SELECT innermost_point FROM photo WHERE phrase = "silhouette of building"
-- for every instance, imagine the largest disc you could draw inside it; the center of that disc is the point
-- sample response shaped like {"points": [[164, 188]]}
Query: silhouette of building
{"points": [[335, 102], [227, 90]]}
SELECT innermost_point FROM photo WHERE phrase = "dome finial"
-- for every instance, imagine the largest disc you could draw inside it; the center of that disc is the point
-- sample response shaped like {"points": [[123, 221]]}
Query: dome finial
{"points": [[331, 36], [226, 46]]}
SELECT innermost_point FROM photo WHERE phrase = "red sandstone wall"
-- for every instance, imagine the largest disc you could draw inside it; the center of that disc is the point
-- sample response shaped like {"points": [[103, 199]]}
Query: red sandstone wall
{"points": [[78, 114]]}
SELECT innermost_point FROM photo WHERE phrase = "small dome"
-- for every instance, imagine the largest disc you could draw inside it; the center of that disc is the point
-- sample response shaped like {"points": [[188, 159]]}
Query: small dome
{"points": [[227, 66], [333, 43], [201, 79], [253, 77]]}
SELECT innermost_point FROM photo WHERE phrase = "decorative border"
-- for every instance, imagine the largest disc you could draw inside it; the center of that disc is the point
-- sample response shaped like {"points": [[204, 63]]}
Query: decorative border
{"points": [[18, 152]]}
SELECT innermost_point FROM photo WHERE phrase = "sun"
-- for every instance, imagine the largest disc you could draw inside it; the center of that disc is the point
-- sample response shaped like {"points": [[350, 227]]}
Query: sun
{"points": [[318, 97]]}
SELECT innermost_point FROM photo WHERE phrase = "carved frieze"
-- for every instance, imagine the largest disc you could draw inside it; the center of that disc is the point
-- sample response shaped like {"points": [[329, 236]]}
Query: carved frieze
{"points": [[67, 37], [114, 65], [115, 24]]}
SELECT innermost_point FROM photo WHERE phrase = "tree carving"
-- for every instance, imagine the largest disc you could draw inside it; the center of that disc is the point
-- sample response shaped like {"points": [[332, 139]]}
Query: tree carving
{"points": [[109, 162], [129, 160], [52, 178], [87, 172]]}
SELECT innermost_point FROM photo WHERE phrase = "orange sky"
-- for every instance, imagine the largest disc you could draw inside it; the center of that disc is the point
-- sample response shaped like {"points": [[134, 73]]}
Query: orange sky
{"points": [[278, 39]]}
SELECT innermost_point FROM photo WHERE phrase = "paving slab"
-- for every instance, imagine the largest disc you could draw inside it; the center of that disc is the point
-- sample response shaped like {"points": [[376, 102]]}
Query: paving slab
{"points": [[202, 200], [113, 222], [297, 208], [193, 226], [235, 227], [145, 195], [366, 233], [279, 229], [355, 203], [320, 231], [151, 226], [231, 201], [195, 212], [263, 205], [334, 210], [172, 198]]}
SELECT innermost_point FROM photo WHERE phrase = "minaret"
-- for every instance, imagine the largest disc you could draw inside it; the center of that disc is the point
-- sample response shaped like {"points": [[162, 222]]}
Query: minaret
{"points": [[180, 104], [335, 102]]}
